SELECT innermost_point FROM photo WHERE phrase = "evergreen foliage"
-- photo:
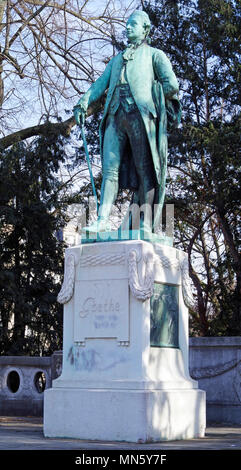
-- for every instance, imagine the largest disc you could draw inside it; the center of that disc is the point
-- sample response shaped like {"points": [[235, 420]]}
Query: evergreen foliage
{"points": [[31, 256]]}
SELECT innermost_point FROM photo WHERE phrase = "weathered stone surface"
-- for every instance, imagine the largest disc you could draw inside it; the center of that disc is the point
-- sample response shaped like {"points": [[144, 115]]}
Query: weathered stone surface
{"points": [[22, 382], [216, 364]]}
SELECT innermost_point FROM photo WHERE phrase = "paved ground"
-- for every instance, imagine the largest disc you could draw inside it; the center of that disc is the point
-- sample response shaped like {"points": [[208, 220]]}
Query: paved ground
{"points": [[27, 434]]}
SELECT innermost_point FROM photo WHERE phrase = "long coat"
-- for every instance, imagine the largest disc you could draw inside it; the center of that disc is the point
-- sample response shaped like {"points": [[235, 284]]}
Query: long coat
{"points": [[154, 87]]}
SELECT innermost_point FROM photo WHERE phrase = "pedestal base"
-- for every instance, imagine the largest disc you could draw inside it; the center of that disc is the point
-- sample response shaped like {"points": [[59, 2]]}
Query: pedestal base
{"points": [[124, 415], [125, 370]]}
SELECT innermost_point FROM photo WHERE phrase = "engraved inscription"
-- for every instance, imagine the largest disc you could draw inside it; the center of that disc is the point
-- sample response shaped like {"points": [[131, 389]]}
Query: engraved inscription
{"points": [[106, 321], [90, 305], [101, 310]]}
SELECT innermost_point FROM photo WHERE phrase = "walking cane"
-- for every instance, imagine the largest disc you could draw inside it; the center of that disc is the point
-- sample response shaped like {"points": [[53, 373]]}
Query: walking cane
{"points": [[88, 163]]}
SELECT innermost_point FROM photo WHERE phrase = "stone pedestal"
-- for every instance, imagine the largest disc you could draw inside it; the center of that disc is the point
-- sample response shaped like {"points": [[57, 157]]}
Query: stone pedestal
{"points": [[125, 355]]}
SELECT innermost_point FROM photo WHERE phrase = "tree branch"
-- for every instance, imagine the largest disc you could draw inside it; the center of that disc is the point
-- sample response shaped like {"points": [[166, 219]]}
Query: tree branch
{"points": [[70, 12], [26, 22], [47, 50], [63, 128], [3, 4], [12, 60], [59, 128]]}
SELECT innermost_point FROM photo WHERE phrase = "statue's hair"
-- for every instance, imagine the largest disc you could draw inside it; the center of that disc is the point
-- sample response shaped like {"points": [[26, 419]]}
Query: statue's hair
{"points": [[145, 17]]}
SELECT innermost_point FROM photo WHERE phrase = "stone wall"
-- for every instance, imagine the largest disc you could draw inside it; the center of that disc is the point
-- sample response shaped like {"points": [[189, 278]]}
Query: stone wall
{"points": [[23, 380], [216, 364]]}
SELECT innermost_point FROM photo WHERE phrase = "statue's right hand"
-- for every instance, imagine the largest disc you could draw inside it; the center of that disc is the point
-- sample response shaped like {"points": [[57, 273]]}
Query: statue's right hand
{"points": [[79, 114]]}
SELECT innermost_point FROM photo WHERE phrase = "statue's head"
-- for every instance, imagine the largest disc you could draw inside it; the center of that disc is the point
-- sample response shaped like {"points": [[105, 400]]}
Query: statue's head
{"points": [[138, 26]]}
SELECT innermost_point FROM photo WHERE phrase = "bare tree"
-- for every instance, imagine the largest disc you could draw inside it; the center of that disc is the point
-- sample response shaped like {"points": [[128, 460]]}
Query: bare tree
{"points": [[50, 51]]}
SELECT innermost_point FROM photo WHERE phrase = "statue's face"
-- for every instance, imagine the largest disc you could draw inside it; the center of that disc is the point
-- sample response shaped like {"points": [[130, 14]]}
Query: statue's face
{"points": [[135, 28]]}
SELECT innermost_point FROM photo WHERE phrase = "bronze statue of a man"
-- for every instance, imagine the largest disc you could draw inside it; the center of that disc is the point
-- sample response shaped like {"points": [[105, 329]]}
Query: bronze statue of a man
{"points": [[141, 102]]}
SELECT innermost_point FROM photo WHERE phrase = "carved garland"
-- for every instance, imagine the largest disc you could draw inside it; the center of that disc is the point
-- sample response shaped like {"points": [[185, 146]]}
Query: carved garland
{"points": [[166, 262], [213, 371], [107, 258], [141, 290], [67, 288], [186, 285]]}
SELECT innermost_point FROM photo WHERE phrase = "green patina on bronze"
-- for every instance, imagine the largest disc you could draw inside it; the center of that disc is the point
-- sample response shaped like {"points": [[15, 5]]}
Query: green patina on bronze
{"points": [[141, 105], [164, 316]]}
